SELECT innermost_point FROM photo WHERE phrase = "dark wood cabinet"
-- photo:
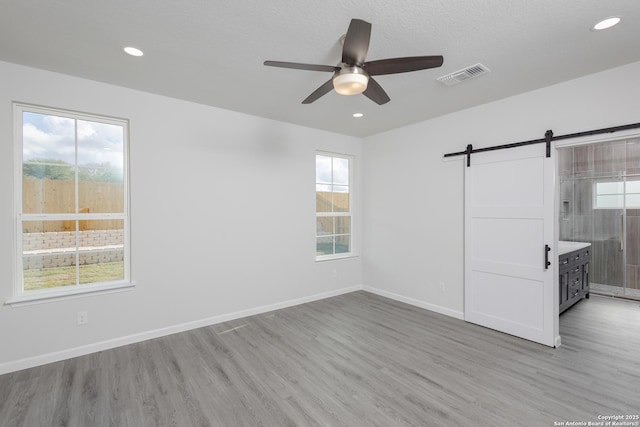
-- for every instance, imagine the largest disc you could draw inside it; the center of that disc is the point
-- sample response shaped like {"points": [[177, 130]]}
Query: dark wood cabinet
{"points": [[574, 276]]}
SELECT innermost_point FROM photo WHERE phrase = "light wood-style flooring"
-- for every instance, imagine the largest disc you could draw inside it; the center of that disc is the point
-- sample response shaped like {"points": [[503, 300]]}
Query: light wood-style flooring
{"points": [[353, 360]]}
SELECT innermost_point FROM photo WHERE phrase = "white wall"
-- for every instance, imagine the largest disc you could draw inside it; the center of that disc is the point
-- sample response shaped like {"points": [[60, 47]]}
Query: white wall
{"points": [[208, 174], [236, 192], [414, 199]]}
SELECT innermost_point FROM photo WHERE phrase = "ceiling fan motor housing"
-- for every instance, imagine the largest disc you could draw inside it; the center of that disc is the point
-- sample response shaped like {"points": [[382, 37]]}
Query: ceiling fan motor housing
{"points": [[354, 73]]}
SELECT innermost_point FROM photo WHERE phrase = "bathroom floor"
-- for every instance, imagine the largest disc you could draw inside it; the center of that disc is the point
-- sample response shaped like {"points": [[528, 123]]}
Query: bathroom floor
{"points": [[615, 291]]}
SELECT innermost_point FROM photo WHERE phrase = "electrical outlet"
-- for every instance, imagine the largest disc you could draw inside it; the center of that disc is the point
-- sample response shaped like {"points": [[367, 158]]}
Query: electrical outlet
{"points": [[83, 318], [441, 284]]}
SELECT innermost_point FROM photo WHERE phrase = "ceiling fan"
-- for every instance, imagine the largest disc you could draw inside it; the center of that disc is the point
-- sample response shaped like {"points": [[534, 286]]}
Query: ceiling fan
{"points": [[354, 75]]}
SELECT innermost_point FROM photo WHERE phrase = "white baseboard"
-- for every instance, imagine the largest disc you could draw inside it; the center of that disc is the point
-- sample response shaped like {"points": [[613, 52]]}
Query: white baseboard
{"points": [[418, 303], [57, 356]]}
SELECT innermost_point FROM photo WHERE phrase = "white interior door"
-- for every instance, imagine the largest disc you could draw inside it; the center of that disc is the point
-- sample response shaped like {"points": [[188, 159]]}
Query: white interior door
{"points": [[509, 218]]}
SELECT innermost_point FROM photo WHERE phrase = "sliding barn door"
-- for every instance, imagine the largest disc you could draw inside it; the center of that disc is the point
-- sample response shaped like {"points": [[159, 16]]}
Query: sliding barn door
{"points": [[509, 219]]}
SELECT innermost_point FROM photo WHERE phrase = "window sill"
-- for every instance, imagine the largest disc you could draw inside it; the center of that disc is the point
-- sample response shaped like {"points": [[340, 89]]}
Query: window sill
{"points": [[336, 257], [41, 297]]}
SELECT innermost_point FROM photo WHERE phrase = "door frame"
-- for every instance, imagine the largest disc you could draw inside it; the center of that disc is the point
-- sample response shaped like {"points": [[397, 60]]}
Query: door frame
{"points": [[575, 142]]}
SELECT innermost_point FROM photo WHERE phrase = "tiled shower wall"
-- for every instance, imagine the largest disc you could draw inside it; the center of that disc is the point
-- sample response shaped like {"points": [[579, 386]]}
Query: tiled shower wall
{"points": [[578, 169]]}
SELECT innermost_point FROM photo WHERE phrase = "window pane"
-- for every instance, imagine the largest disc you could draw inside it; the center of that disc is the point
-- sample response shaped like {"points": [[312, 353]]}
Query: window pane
{"points": [[633, 186], [609, 201], [101, 266], [101, 161], [324, 246], [324, 225], [101, 234], [48, 139], [633, 201], [343, 225], [48, 257], [340, 199], [100, 145], [323, 198], [340, 171], [343, 244], [48, 271], [609, 188], [98, 196], [323, 169], [48, 156], [48, 189]]}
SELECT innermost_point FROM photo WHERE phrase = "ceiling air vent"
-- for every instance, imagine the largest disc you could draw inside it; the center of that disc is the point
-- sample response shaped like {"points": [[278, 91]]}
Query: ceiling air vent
{"points": [[464, 74]]}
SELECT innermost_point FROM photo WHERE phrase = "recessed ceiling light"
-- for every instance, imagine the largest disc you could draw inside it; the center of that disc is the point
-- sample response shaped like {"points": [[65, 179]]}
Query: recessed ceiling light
{"points": [[357, 115], [133, 51], [606, 23]]}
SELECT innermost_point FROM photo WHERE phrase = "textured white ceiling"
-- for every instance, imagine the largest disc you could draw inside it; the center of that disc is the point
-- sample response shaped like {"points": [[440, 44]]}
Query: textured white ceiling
{"points": [[211, 51]]}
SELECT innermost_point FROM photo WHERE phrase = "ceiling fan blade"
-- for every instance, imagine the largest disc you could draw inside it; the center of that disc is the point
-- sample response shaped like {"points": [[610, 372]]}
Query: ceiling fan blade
{"points": [[375, 92], [402, 65], [321, 91], [356, 42], [297, 66]]}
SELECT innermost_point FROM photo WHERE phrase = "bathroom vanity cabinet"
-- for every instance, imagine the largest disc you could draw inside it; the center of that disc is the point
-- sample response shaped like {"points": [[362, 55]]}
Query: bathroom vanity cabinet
{"points": [[574, 260]]}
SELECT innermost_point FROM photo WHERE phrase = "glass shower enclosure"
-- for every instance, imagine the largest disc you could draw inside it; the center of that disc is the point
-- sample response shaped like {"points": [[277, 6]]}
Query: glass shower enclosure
{"points": [[600, 204]]}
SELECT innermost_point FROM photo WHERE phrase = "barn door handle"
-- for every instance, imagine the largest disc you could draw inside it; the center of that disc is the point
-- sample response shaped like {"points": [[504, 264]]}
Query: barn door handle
{"points": [[547, 263]]}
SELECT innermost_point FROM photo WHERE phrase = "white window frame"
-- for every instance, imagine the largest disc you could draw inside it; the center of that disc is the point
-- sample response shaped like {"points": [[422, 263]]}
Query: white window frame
{"points": [[349, 213], [22, 297]]}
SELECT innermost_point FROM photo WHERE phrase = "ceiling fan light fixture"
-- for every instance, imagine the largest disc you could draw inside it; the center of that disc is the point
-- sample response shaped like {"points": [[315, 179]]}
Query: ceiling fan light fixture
{"points": [[350, 81]]}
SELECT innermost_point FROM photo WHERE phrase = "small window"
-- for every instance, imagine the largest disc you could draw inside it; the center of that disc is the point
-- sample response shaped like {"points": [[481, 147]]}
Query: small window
{"points": [[616, 195], [333, 206], [71, 201]]}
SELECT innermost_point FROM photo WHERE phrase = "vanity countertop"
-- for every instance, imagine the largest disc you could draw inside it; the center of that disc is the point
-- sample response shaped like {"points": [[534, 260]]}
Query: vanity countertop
{"points": [[566, 247]]}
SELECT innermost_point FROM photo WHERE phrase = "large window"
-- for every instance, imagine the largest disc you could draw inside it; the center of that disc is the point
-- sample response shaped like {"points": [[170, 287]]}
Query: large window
{"points": [[333, 205], [71, 201]]}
